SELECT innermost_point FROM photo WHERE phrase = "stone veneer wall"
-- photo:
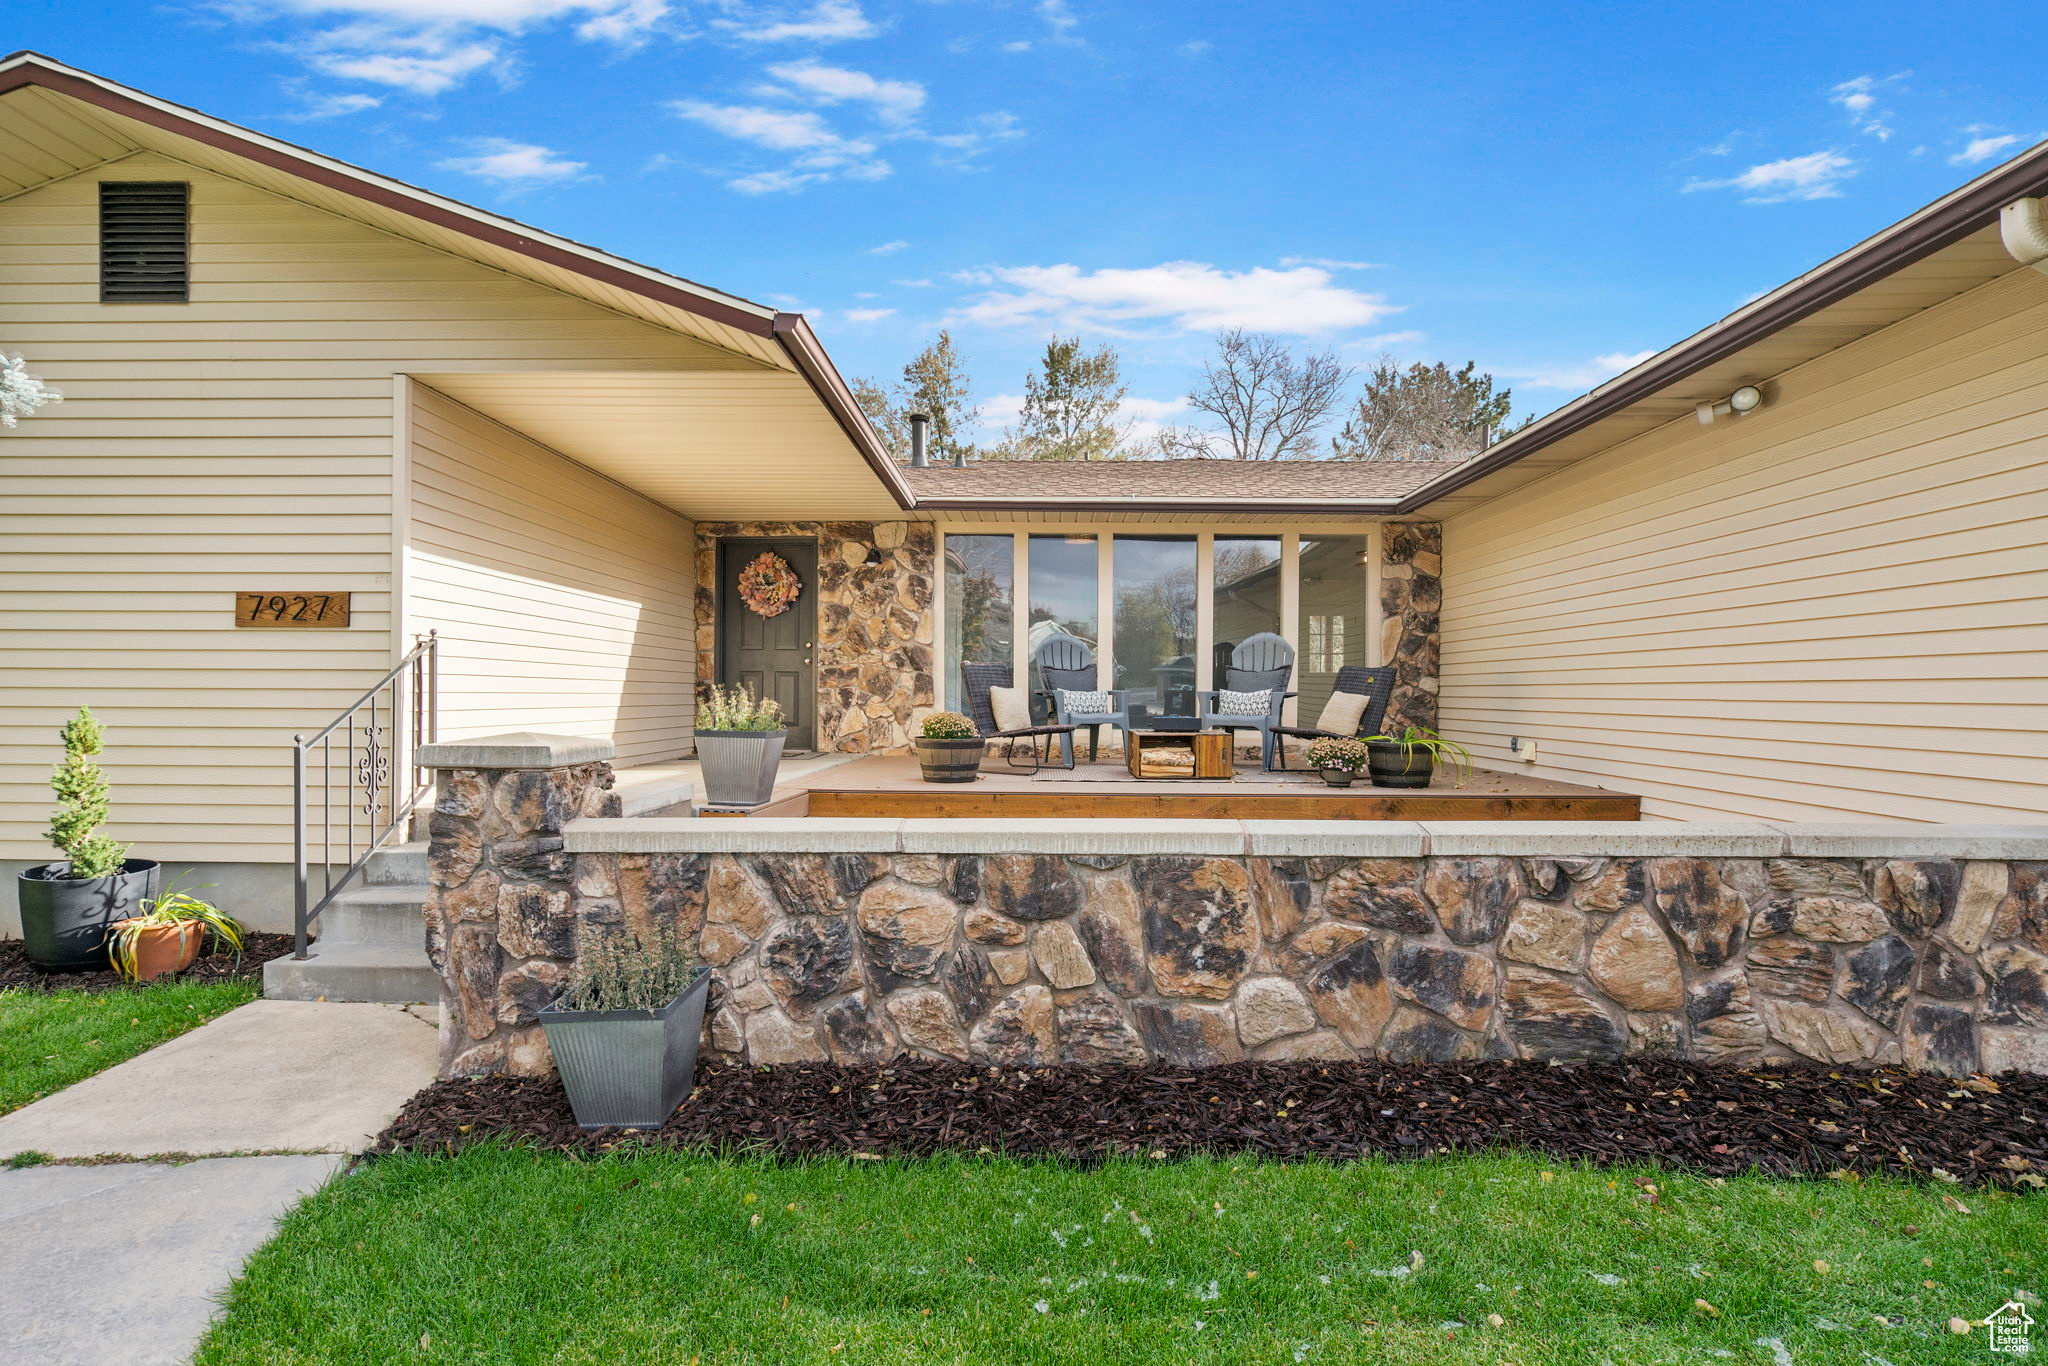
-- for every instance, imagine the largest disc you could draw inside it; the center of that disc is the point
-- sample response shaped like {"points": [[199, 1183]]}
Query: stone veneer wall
{"points": [[861, 941], [875, 627], [1411, 604]]}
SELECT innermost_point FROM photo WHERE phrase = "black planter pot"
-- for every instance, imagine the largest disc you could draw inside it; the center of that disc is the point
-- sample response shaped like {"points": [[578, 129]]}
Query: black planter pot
{"points": [[950, 761], [1395, 765], [64, 919]]}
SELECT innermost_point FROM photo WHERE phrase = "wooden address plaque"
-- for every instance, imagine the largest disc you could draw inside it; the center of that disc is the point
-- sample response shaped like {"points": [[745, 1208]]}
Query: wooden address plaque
{"points": [[302, 610]]}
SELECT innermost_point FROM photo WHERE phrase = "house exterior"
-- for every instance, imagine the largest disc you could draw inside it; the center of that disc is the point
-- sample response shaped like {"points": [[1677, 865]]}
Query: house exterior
{"points": [[555, 460]]}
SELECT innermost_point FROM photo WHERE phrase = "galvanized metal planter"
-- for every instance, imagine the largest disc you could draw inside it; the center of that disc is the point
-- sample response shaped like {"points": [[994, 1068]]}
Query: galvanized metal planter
{"points": [[628, 1068], [739, 765]]}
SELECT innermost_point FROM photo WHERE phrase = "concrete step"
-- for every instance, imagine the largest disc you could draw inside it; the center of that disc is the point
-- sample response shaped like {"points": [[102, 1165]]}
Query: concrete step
{"points": [[353, 972], [375, 915], [397, 865]]}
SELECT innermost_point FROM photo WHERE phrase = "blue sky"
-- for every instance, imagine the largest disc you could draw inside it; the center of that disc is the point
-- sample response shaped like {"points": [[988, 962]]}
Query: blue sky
{"points": [[1550, 190]]}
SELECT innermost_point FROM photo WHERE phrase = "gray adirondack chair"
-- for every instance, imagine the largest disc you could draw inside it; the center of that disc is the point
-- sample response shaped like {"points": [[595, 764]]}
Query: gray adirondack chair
{"points": [[1260, 663], [1068, 665]]}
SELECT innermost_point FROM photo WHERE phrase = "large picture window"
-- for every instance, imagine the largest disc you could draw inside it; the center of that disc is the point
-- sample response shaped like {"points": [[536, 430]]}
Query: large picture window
{"points": [[1062, 601], [980, 628], [1156, 644], [1154, 633]]}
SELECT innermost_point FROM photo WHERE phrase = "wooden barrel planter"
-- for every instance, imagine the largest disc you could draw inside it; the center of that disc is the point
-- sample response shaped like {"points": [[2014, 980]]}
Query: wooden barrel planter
{"points": [[950, 761], [1392, 764]]}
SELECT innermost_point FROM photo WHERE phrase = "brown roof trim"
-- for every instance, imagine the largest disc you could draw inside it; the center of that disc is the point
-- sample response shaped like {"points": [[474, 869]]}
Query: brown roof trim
{"points": [[35, 70], [1353, 508], [793, 331], [1943, 223]]}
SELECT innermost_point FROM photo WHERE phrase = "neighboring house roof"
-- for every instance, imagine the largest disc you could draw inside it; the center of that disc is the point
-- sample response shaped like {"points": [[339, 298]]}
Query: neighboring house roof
{"points": [[1234, 485]]}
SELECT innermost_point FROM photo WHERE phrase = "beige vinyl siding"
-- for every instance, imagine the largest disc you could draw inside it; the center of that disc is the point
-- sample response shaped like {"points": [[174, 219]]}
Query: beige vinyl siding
{"points": [[241, 441], [564, 602], [1829, 610]]}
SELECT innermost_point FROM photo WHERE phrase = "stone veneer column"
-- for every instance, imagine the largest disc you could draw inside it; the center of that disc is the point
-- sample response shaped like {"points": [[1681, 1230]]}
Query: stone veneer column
{"points": [[1411, 602], [876, 633], [502, 920]]}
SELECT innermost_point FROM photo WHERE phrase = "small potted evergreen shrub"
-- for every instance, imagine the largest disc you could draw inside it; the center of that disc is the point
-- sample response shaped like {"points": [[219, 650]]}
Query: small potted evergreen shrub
{"points": [[950, 750], [624, 1032], [1410, 759], [1339, 761], [739, 742], [167, 936], [66, 906]]}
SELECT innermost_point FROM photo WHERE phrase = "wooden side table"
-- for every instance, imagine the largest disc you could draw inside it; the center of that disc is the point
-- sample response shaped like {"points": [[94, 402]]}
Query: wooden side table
{"points": [[1211, 750]]}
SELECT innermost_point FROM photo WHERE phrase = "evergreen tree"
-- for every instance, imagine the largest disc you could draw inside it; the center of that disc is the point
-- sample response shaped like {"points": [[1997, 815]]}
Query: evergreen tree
{"points": [[1072, 405], [1426, 412]]}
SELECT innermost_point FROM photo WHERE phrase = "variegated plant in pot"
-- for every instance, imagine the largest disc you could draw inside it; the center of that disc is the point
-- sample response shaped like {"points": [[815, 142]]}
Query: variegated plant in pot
{"points": [[624, 1032], [1410, 758], [739, 743], [168, 935]]}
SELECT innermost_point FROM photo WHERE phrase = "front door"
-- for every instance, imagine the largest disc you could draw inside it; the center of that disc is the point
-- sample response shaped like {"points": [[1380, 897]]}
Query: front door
{"points": [[772, 655]]}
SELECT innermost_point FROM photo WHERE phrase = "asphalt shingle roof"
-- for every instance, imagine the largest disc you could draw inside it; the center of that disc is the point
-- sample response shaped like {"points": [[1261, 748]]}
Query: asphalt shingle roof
{"points": [[1026, 481]]}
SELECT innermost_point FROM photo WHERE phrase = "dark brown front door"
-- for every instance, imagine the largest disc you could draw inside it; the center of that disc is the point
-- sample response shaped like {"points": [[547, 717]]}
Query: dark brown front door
{"points": [[775, 656]]}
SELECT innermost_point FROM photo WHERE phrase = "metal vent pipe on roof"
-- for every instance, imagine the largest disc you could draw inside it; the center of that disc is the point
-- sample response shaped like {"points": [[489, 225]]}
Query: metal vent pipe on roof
{"points": [[918, 422]]}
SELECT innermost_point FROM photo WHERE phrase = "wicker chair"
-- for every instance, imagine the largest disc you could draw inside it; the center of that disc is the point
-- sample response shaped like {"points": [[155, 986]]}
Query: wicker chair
{"points": [[1375, 685], [1261, 663], [976, 680], [1068, 665]]}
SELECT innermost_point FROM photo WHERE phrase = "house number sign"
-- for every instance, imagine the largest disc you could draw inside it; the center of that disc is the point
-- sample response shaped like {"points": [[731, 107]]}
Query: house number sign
{"points": [[292, 609]]}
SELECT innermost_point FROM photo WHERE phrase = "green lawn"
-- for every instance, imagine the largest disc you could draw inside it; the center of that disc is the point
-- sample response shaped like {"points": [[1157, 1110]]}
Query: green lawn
{"points": [[49, 1039], [509, 1256]]}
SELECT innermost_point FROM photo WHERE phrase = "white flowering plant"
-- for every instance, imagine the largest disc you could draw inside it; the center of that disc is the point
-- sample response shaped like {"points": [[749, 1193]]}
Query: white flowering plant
{"points": [[20, 392]]}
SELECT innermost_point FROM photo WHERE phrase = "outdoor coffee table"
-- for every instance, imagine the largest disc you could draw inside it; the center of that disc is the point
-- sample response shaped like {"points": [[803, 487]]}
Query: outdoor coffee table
{"points": [[1211, 750]]}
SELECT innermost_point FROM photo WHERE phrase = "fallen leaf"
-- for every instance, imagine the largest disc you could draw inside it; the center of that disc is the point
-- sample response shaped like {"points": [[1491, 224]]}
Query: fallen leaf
{"points": [[1702, 1307], [1960, 1327]]}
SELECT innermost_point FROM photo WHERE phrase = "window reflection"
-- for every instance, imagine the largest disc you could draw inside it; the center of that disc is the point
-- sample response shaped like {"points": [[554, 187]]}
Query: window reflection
{"points": [[1154, 581], [1062, 601], [979, 630], [1247, 576], [1330, 630]]}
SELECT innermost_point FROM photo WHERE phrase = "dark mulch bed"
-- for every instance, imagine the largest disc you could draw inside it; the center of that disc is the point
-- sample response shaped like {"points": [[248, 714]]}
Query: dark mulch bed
{"points": [[257, 950], [1786, 1121]]}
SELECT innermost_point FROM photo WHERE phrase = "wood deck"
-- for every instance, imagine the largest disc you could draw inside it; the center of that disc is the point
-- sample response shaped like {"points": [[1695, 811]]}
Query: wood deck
{"points": [[889, 785]]}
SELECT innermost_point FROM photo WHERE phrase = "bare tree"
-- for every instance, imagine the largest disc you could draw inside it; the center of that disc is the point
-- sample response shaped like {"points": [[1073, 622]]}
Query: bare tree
{"points": [[1426, 412], [1269, 403]]}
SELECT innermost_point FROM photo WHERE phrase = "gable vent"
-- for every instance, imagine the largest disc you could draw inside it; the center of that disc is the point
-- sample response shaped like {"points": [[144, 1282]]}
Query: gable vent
{"points": [[143, 241]]}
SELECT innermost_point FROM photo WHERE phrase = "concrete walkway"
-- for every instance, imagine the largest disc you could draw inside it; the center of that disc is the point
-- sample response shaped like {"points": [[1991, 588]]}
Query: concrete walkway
{"points": [[270, 1077], [121, 1262]]}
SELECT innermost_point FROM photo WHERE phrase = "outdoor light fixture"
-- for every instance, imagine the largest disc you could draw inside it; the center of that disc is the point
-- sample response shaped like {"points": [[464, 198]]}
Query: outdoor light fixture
{"points": [[1747, 399]]}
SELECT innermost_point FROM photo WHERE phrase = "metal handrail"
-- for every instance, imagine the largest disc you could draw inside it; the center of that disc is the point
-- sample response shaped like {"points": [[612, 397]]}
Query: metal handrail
{"points": [[403, 713]]}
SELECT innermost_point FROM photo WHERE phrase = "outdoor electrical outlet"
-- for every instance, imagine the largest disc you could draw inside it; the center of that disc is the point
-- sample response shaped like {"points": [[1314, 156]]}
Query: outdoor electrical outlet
{"points": [[1522, 749]]}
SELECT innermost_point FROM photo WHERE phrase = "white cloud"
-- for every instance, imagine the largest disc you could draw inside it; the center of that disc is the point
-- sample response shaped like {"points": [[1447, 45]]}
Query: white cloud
{"points": [[867, 315], [1860, 97], [958, 149], [820, 153], [430, 46], [1578, 377], [514, 163], [912, 284], [1021, 45], [893, 101], [832, 21], [1185, 296], [1817, 175], [1060, 20], [1326, 263], [421, 75], [333, 106], [888, 248], [1983, 146], [1194, 47]]}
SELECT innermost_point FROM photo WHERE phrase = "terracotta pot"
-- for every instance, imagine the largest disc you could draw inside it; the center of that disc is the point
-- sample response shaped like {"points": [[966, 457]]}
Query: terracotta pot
{"points": [[163, 948]]}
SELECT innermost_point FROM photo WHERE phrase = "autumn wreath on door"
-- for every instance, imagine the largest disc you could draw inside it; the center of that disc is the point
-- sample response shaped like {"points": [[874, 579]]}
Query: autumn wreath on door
{"points": [[768, 585]]}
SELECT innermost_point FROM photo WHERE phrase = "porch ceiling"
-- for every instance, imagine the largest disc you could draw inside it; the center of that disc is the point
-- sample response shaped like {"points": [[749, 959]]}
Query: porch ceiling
{"points": [[724, 445]]}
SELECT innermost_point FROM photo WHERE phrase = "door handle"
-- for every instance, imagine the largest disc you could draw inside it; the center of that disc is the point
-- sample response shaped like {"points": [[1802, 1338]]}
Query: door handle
{"points": [[807, 659]]}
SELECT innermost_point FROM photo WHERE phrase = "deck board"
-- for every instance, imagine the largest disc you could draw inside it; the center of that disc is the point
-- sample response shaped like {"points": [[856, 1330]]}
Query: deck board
{"points": [[890, 785]]}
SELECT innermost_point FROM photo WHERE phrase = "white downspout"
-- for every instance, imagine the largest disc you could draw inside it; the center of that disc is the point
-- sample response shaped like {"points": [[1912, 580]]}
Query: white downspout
{"points": [[2023, 225]]}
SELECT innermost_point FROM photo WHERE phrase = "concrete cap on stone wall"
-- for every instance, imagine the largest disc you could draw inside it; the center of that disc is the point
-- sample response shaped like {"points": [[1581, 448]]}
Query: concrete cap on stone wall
{"points": [[733, 835], [1335, 839], [1053, 835], [1915, 840], [516, 749], [1626, 839]]}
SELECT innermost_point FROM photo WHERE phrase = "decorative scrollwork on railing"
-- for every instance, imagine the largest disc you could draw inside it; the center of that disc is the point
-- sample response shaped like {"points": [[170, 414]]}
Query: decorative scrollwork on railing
{"points": [[373, 770]]}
